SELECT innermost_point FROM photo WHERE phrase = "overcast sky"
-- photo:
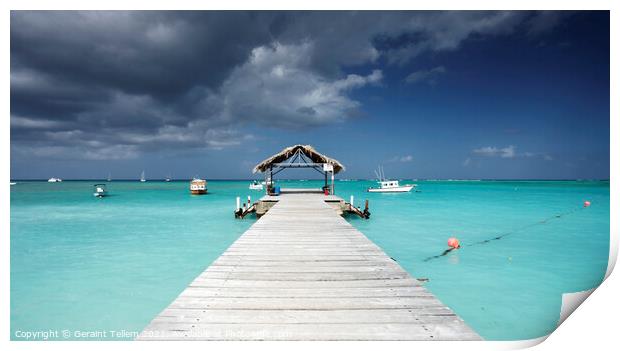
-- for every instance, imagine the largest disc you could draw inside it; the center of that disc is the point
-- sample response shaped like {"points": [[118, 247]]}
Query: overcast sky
{"points": [[425, 94]]}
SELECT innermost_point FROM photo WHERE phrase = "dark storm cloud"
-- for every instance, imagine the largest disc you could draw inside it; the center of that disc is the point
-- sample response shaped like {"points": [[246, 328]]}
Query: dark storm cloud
{"points": [[159, 53], [111, 84]]}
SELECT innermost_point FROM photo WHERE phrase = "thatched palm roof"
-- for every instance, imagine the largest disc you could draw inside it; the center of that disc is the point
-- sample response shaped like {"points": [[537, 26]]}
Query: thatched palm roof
{"points": [[306, 150]]}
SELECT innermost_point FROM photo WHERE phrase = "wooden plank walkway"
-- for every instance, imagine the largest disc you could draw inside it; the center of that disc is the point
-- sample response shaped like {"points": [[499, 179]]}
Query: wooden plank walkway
{"points": [[302, 272]]}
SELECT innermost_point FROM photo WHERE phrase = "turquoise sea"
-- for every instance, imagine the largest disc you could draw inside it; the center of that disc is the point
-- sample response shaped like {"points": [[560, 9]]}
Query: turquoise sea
{"points": [[84, 264]]}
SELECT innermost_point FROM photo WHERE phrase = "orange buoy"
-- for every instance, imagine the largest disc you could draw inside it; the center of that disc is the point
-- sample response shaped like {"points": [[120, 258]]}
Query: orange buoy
{"points": [[586, 204], [454, 243]]}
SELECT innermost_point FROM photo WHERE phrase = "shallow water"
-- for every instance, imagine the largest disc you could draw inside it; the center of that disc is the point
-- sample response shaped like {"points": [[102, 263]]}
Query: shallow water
{"points": [[84, 264]]}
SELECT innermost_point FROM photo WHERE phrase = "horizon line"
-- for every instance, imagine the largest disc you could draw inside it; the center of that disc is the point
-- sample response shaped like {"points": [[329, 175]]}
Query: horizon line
{"points": [[373, 179]]}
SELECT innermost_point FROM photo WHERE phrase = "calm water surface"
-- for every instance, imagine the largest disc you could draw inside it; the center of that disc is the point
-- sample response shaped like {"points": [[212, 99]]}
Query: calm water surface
{"points": [[81, 263]]}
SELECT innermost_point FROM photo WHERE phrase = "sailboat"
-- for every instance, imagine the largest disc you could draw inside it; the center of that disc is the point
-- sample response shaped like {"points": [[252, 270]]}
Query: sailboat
{"points": [[168, 178], [109, 177], [142, 177]]}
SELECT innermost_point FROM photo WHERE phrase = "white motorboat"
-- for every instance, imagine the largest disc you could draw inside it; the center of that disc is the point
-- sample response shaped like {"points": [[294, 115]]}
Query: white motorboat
{"points": [[142, 177], [100, 190], [13, 183], [389, 186], [54, 180], [255, 185]]}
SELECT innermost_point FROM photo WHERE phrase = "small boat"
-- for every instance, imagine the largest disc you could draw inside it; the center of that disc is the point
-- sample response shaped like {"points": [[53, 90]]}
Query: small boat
{"points": [[100, 190], [389, 186], [142, 177], [256, 185], [109, 177], [13, 183], [54, 180], [198, 186]]}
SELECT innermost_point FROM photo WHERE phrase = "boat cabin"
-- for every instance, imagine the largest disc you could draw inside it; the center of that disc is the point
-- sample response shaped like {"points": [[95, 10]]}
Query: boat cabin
{"points": [[389, 183]]}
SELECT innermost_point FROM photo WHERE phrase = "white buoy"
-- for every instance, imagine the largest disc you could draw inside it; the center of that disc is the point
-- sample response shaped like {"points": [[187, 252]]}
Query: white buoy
{"points": [[238, 203]]}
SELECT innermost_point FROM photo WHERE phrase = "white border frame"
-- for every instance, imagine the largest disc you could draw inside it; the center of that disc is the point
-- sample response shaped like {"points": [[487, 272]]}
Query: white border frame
{"points": [[594, 323]]}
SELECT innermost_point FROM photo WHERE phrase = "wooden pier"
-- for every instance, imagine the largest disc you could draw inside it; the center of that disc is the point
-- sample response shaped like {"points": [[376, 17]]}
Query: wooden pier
{"points": [[302, 272]]}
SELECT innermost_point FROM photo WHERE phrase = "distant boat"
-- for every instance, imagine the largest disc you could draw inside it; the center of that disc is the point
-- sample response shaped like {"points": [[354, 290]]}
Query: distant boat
{"points": [[256, 185], [168, 178], [198, 186], [109, 177], [100, 190], [389, 186], [13, 183], [54, 180], [142, 177]]}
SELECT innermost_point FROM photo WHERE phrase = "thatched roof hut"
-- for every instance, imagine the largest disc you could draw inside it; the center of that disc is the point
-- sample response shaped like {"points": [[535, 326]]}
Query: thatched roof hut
{"points": [[307, 150]]}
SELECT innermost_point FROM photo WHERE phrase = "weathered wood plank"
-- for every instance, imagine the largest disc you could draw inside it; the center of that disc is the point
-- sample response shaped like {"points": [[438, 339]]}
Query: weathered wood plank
{"points": [[304, 276], [403, 291], [305, 303], [223, 262], [323, 331], [301, 269], [427, 315], [257, 284]]}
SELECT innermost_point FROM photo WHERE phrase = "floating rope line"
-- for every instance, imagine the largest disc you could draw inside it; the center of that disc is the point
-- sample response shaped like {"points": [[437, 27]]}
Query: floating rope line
{"points": [[544, 221], [437, 256]]}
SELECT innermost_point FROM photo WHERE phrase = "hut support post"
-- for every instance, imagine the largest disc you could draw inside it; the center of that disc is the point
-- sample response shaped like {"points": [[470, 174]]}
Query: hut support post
{"points": [[325, 181], [269, 181]]}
